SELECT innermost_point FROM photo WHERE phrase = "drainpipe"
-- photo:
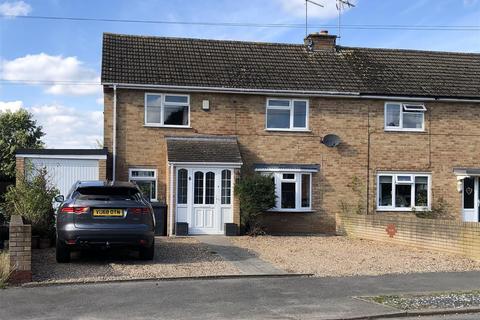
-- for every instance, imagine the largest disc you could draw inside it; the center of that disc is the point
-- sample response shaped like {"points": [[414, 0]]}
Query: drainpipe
{"points": [[170, 207], [114, 151]]}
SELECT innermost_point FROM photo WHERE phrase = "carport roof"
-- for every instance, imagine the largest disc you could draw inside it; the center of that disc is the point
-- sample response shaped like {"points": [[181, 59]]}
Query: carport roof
{"points": [[203, 149]]}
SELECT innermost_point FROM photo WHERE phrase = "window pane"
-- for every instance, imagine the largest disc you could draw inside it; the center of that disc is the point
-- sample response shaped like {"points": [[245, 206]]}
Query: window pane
{"points": [[143, 173], [412, 120], [404, 179], [277, 118], [148, 188], [279, 103], [154, 114], [198, 188], [305, 190], [154, 100], [182, 183], [176, 115], [403, 195], [468, 193], [288, 195], [421, 191], [385, 191], [177, 99], [300, 114], [210, 188], [392, 116], [226, 186], [288, 176]]}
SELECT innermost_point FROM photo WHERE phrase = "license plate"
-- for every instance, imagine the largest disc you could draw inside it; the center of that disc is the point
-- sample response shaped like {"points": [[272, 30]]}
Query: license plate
{"points": [[108, 212]]}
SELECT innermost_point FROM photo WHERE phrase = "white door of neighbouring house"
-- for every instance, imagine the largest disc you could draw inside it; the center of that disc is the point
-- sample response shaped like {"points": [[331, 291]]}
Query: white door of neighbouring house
{"points": [[204, 199], [470, 201]]}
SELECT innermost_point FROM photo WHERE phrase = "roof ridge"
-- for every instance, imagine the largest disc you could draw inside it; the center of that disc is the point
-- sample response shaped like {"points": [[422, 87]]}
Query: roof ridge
{"points": [[410, 50]]}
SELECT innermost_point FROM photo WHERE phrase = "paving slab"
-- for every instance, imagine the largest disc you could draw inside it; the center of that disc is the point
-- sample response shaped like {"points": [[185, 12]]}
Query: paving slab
{"points": [[246, 262]]}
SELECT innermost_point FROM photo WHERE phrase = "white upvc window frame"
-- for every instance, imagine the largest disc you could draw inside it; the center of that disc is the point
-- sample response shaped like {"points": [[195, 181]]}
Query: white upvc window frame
{"points": [[278, 179], [404, 108], [131, 178], [162, 109], [291, 108], [395, 182]]}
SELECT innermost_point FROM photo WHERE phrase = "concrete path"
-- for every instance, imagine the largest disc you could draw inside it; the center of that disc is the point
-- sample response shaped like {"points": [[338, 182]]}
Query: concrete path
{"points": [[248, 263], [250, 298]]}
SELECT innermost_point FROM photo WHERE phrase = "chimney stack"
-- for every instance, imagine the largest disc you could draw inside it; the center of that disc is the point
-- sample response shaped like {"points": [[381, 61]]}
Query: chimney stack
{"points": [[320, 41]]}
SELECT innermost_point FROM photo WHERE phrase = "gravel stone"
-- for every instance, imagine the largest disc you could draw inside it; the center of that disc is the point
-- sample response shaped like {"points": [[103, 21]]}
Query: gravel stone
{"points": [[340, 256], [174, 257], [448, 300]]}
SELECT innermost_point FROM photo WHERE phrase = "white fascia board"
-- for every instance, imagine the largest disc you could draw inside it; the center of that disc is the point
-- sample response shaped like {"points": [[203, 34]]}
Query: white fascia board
{"points": [[52, 156], [289, 93], [285, 170], [208, 164]]}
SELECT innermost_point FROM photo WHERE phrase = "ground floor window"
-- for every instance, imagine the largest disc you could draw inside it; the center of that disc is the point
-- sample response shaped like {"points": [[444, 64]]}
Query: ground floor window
{"points": [[146, 179], [403, 191], [293, 190]]}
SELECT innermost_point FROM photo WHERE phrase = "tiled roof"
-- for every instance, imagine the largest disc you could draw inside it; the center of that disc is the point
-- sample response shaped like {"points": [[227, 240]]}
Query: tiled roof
{"points": [[272, 66], [203, 149]]}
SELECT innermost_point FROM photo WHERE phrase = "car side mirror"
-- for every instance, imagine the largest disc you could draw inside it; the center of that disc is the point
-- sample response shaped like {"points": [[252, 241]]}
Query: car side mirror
{"points": [[59, 198]]}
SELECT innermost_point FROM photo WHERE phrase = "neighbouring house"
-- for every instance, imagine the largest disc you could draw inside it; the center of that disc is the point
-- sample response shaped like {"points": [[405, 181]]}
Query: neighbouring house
{"points": [[186, 118]]}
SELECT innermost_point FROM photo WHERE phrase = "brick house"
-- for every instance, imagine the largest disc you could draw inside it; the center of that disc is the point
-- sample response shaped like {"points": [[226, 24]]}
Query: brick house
{"points": [[185, 118]]}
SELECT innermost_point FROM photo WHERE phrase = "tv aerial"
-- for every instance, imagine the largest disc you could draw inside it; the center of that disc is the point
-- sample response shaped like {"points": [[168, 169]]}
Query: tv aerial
{"points": [[341, 5], [306, 13]]}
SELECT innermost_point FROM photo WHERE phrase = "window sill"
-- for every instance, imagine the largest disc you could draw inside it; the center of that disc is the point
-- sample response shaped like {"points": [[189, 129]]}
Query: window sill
{"points": [[290, 211], [404, 130], [288, 130], [401, 209], [166, 126]]}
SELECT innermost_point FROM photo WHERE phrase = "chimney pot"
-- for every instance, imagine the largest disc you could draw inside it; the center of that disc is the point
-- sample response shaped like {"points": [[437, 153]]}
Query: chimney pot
{"points": [[320, 41]]}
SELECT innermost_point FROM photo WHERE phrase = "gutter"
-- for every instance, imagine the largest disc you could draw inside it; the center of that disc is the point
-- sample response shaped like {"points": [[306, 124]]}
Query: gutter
{"points": [[294, 93]]}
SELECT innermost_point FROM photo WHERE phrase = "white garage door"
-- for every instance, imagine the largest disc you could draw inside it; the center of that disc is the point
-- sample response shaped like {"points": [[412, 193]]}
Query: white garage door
{"points": [[63, 173]]}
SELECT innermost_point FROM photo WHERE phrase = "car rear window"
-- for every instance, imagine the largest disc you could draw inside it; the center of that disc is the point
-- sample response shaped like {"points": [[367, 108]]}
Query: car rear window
{"points": [[106, 193]]}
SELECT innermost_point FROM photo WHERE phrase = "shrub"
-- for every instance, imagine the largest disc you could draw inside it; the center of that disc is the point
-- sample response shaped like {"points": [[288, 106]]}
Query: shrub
{"points": [[439, 210], [358, 191], [32, 199], [5, 271], [256, 194]]}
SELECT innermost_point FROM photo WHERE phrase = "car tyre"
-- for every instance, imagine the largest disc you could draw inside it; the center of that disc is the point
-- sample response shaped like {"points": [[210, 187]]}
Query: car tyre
{"points": [[62, 252], [147, 253]]}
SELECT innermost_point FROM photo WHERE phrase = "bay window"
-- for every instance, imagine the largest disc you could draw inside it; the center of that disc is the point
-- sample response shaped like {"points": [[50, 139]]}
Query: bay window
{"points": [[403, 191], [167, 110], [404, 116], [287, 114], [293, 190]]}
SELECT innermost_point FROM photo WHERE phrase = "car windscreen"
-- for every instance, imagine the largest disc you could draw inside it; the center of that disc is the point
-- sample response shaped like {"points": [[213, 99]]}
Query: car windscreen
{"points": [[106, 193]]}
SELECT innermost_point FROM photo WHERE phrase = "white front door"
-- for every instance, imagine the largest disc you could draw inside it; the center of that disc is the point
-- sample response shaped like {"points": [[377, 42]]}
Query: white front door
{"points": [[470, 201], [204, 199]]}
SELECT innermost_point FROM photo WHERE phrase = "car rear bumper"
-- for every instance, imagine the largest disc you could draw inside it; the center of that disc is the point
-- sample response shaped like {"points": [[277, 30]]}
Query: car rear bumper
{"points": [[79, 238]]}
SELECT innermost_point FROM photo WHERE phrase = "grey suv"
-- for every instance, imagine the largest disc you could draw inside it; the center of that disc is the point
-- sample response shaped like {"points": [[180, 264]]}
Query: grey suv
{"points": [[104, 214]]}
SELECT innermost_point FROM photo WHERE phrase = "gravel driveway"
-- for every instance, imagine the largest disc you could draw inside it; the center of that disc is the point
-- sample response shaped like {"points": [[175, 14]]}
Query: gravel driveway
{"points": [[341, 256], [174, 257]]}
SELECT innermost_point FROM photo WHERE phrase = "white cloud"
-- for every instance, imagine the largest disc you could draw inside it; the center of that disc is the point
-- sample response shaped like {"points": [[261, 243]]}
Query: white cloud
{"points": [[297, 8], [16, 8], [10, 106], [63, 75], [67, 127], [99, 101]]}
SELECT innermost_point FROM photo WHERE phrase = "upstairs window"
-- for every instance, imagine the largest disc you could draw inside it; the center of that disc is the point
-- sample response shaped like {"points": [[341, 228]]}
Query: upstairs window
{"points": [[167, 110], [287, 114], [403, 191], [146, 180], [404, 116]]}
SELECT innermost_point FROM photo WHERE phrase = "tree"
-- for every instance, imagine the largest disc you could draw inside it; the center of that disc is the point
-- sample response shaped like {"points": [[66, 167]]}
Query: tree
{"points": [[18, 130]]}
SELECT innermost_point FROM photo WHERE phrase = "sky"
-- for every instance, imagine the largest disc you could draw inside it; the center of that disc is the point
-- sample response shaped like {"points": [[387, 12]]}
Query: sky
{"points": [[66, 51]]}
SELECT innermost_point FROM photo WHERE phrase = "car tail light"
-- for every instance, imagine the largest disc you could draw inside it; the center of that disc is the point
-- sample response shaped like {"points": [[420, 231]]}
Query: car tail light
{"points": [[76, 210], [139, 210]]}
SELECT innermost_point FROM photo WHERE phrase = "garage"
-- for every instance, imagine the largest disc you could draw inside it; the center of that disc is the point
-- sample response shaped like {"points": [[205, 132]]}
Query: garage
{"points": [[64, 166]]}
